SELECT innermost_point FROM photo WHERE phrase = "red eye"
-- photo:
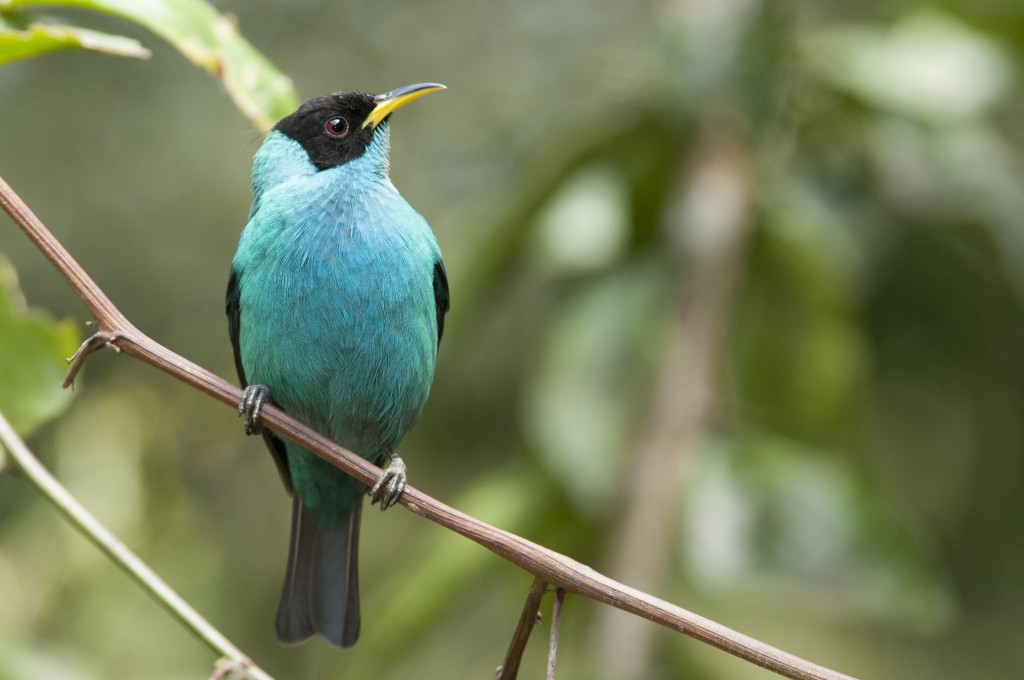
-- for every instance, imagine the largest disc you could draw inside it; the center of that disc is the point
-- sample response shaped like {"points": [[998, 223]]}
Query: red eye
{"points": [[336, 127]]}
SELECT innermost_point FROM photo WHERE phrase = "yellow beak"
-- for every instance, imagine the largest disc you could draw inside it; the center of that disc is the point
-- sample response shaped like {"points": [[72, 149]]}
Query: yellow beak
{"points": [[395, 99]]}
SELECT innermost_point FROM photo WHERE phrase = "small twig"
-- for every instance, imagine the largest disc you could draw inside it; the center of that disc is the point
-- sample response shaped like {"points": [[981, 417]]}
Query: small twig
{"points": [[93, 343], [120, 555], [536, 559], [228, 669], [556, 624], [527, 620]]}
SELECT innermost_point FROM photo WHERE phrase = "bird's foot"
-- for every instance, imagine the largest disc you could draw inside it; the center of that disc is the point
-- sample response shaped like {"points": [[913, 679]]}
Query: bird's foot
{"points": [[253, 399], [391, 484]]}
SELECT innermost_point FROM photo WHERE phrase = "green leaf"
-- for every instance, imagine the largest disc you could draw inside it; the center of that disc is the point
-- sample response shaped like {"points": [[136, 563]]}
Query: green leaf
{"points": [[765, 508], [32, 352], [936, 67], [799, 346], [591, 376], [22, 37], [209, 40]]}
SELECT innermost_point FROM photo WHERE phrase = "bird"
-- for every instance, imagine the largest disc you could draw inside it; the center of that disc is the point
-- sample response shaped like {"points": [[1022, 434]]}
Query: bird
{"points": [[336, 301]]}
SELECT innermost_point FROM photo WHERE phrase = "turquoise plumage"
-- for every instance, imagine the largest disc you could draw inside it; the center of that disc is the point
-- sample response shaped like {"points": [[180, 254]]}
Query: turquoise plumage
{"points": [[336, 305]]}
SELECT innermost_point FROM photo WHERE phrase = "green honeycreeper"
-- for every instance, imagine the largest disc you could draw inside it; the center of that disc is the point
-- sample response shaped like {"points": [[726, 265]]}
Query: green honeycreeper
{"points": [[336, 304]]}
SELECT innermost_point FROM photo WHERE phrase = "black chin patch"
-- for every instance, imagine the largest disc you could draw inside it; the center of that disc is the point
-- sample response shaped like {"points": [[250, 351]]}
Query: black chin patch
{"points": [[309, 127]]}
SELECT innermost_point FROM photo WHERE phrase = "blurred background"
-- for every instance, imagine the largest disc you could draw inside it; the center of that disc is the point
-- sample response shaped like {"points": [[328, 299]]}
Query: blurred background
{"points": [[737, 319]]}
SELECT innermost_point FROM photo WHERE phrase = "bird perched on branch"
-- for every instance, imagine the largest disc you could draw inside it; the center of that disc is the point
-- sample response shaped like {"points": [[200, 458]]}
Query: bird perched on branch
{"points": [[336, 304]]}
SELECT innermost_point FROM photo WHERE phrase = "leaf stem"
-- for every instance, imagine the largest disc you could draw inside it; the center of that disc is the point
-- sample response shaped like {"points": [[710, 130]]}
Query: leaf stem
{"points": [[118, 552]]}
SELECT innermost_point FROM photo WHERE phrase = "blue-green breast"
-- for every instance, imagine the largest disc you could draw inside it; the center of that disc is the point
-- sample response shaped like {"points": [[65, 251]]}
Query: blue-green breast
{"points": [[338, 317]]}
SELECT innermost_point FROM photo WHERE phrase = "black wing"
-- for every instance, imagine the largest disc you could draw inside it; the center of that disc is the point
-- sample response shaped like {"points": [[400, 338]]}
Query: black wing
{"points": [[441, 297], [274, 443]]}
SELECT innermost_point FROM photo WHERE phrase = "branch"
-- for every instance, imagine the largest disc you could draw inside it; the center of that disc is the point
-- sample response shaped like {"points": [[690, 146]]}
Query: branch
{"points": [[120, 555], [554, 568], [556, 626], [527, 620]]}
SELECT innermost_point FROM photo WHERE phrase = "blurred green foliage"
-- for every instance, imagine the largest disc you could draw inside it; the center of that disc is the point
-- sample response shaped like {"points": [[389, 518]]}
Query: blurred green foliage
{"points": [[32, 353], [208, 39], [21, 37], [855, 497]]}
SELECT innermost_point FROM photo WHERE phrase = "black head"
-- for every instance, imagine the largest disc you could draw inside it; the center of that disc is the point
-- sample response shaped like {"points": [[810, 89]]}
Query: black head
{"points": [[330, 128], [337, 128]]}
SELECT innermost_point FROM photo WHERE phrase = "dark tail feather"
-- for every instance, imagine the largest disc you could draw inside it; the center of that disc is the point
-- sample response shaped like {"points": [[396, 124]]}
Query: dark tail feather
{"points": [[321, 585]]}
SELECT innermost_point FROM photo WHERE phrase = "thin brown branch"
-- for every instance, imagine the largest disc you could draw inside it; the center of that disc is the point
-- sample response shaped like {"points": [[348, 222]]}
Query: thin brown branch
{"points": [[94, 342], [527, 620], [556, 627], [547, 564]]}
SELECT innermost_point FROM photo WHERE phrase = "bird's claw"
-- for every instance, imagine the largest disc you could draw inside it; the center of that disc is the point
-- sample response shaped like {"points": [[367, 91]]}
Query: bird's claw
{"points": [[253, 399], [391, 484]]}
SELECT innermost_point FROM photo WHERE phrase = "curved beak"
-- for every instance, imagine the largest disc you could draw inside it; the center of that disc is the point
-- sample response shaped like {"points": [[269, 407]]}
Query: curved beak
{"points": [[397, 98]]}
